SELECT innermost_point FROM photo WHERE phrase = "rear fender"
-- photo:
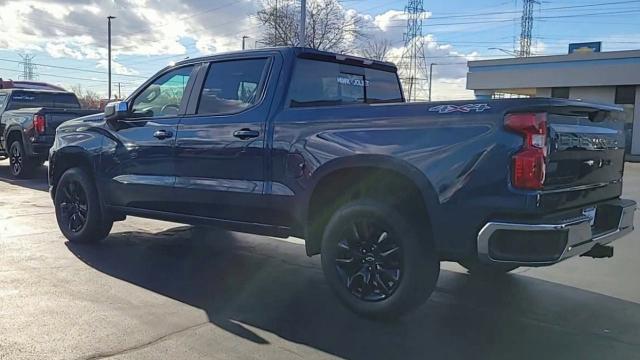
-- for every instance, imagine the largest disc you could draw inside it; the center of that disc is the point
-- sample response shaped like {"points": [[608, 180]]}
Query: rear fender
{"points": [[384, 162], [9, 133]]}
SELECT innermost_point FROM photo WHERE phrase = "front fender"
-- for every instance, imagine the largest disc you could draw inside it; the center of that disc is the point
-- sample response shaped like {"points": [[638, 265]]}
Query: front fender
{"points": [[74, 148]]}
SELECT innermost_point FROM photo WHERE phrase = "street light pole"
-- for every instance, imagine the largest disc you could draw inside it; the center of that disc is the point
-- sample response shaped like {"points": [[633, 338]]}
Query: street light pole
{"points": [[430, 78], [303, 23], [109, 18], [244, 37]]}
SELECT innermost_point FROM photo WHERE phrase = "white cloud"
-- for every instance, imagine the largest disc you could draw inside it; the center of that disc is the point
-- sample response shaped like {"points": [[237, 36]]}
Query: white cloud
{"points": [[76, 29], [116, 67]]}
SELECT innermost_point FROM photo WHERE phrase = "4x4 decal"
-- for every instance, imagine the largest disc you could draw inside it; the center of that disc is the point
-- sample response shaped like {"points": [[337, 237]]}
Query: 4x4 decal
{"points": [[446, 109]]}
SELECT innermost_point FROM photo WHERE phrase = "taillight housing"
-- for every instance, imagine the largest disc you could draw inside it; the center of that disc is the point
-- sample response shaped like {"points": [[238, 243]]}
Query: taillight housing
{"points": [[39, 123], [529, 163]]}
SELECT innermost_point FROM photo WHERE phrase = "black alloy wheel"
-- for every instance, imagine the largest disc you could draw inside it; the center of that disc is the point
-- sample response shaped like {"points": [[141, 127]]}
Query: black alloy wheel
{"points": [[378, 261], [369, 260], [79, 212], [74, 206], [16, 158]]}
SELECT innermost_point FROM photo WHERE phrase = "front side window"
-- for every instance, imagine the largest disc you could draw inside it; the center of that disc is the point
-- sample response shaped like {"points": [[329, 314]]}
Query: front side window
{"points": [[164, 95], [321, 83], [232, 86]]}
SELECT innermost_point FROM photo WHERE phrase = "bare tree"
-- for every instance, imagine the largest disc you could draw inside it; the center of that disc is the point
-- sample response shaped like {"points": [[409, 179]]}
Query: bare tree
{"points": [[88, 99], [329, 26], [376, 49]]}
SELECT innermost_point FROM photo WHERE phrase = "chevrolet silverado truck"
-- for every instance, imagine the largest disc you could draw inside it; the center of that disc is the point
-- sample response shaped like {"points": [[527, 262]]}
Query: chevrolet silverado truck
{"points": [[29, 117], [297, 142]]}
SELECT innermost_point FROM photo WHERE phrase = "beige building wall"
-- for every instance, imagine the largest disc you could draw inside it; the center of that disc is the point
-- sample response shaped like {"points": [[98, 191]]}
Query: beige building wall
{"points": [[603, 94]]}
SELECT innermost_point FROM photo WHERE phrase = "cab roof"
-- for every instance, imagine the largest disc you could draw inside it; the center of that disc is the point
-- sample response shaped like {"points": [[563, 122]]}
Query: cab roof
{"points": [[302, 53]]}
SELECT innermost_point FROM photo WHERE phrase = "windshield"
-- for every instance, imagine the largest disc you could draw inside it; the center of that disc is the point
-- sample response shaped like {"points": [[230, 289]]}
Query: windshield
{"points": [[29, 99]]}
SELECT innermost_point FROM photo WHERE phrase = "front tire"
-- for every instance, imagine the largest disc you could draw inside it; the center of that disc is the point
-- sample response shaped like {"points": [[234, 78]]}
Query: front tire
{"points": [[78, 209], [379, 264], [22, 166]]}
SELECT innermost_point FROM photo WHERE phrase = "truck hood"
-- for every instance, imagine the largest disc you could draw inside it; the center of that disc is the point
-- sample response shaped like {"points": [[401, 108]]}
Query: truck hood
{"points": [[84, 121]]}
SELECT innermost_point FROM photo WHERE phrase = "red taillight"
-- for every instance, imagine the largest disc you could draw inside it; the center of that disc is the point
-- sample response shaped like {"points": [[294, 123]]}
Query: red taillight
{"points": [[529, 163], [39, 123]]}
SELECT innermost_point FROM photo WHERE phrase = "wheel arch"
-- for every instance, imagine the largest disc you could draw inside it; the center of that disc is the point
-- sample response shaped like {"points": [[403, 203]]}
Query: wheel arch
{"points": [[13, 133], [352, 170], [67, 158]]}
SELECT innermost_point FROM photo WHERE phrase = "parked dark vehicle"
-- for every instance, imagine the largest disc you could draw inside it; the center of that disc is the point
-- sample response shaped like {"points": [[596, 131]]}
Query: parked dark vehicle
{"points": [[297, 142], [28, 122]]}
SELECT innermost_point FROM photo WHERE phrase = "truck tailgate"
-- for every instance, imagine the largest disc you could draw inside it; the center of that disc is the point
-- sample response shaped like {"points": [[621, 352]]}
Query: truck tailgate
{"points": [[585, 163]]}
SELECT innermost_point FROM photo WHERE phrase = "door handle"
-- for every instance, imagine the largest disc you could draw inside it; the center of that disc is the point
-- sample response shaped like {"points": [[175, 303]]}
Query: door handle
{"points": [[162, 134], [244, 134]]}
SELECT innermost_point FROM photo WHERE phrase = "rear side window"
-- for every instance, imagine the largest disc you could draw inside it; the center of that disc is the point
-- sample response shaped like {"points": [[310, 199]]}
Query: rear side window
{"points": [[321, 83], [26, 99], [232, 86]]}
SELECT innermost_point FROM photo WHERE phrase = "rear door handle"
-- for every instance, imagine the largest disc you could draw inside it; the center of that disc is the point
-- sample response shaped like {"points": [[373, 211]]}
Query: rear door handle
{"points": [[162, 134], [244, 134]]}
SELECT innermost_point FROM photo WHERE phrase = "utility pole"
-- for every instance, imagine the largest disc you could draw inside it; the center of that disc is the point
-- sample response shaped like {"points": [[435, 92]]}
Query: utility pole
{"points": [[244, 37], [109, 18], [413, 64], [303, 23], [119, 93], [28, 68], [526, 27], [430, 78]]}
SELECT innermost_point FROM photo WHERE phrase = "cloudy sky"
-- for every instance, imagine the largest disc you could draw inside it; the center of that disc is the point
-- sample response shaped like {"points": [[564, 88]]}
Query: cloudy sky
{"points": [[68, 37]]}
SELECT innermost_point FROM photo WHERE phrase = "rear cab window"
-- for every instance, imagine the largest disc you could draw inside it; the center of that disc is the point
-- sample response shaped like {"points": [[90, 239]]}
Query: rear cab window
{"points": [[324, 83], [30, 99]]}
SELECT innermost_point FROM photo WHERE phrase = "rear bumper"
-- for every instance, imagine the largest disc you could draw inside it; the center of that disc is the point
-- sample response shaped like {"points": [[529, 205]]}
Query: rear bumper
{"points": [[40, 150], [553, 240]]}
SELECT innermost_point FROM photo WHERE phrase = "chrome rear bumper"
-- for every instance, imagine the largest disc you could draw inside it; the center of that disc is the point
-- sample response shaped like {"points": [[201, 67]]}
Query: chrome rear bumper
{"points": [[580, 237]]}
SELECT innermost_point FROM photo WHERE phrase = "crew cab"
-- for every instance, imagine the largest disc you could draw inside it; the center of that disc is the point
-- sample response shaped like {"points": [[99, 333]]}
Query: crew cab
{"points": [[29, 116], [322, 146]]}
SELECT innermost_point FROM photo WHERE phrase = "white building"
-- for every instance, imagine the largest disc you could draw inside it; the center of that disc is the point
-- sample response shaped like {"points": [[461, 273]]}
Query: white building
{"points": [[606, 77]]}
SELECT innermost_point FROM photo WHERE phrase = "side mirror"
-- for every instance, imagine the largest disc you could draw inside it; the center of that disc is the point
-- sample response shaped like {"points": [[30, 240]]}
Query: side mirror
{"points": [[116, 110]]}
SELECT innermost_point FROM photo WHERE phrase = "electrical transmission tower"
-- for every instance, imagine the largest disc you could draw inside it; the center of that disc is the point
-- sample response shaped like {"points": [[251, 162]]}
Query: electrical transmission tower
{"points": [[526, 24], [413, 64], [28, 67]]}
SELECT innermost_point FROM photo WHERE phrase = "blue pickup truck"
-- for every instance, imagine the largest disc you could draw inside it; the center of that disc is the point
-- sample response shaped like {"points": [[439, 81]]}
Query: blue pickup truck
{"points": [[298, 142]]}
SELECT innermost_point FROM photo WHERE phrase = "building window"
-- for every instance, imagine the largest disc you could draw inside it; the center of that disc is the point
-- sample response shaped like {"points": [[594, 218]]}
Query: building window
{"points": [[626, 94], [560, 92]]}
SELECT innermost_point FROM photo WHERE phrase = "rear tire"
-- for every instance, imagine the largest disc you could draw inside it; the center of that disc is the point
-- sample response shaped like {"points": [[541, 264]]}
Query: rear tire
{"points": [[378, 264], [78, 209], [22, 166], [475, 267]]}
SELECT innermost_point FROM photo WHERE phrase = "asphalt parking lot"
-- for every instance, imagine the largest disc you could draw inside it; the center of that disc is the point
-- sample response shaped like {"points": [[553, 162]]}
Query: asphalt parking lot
{"points": [[162, 290]]}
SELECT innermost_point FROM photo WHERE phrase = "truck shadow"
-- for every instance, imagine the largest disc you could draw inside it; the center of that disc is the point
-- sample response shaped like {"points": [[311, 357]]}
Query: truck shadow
{"points": [[244, 282], [37, 182]]}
